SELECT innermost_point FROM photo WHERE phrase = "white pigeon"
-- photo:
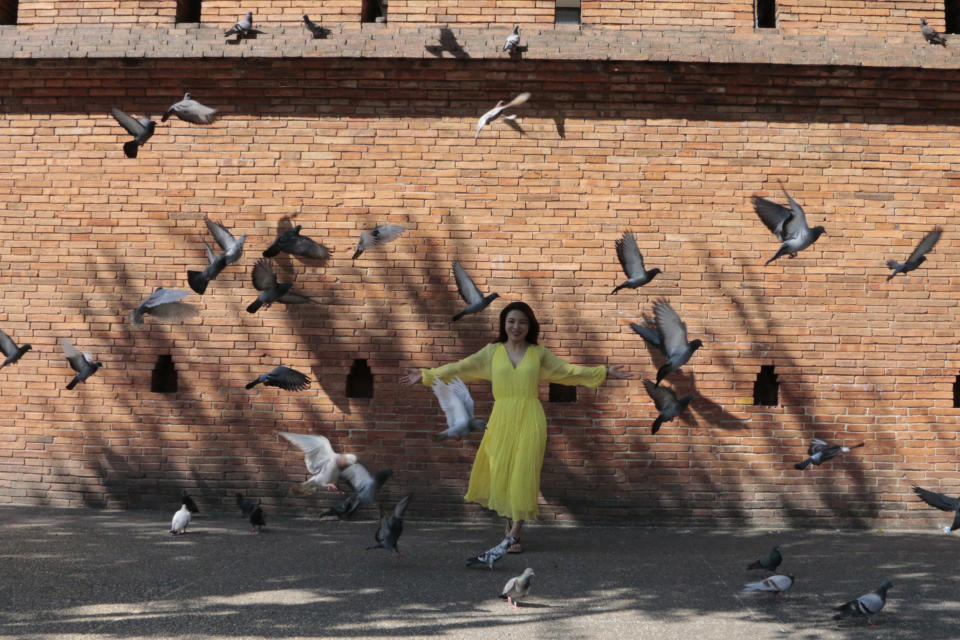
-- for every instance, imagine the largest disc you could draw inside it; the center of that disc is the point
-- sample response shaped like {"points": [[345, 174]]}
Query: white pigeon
{"points": [[457, 405], [513, 40], [517, 587], [180, 521], [323, 463], [492, 554], [381, 234], [776, 583], [189, 110], [496, 112]]}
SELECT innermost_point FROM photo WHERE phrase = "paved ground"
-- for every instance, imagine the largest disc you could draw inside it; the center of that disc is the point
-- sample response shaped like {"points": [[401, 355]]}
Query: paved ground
{"points": [[77, 573]]}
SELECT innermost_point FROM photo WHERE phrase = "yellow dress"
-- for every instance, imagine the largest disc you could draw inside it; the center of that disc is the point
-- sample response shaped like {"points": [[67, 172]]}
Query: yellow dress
{"points": [[506, 470]]}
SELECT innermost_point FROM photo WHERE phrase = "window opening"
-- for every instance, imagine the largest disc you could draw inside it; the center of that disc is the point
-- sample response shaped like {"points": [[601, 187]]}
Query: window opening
{"points": [[360, 380], [766, 388]]}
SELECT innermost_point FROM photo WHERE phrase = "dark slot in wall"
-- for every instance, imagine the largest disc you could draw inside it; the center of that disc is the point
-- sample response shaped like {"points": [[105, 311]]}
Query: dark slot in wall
{"points": [[360, 380], [562, 393], [188, 11], [373, 11], [951, 16], [8, 11], [164, 379], [766, 389], [766, 14]]}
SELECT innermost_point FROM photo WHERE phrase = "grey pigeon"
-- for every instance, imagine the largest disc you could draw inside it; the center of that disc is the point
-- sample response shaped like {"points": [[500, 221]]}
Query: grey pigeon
{"points": [[265, 281], [258, 520], [246, 507], [180, 521], [81, 362], [517, 587], [931, 34], [314, 28], [789, 225], [242, 27], [391, 527], [142, 129], [666, 402], [185, 499], [381, 234], [11, 350], [670, 338], [820, 451], [498, 110], [475, 300], [200, 279], [283, 377], [457, 405], [290, 241], [189, 110], [513, 40], [323, 463], [942, 502], [366, 487], [775, 583], [491, 555], [632, 262], [232, 250], [918, 256], [770, 562], [867, 605], [165, 304]]}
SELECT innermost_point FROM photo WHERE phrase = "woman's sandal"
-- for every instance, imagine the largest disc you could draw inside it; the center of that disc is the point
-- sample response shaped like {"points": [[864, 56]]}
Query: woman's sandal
{"points": [[516, 547]]}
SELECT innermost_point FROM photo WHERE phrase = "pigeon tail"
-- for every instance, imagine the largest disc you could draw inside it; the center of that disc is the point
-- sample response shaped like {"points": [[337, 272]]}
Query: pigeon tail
{"points": [[73, 383], [271, 251], [784, 250], [19, 354], [130, 148], [663, 372], [251, 385], [137, 316], [656, 425], [254, 306], [198, 281], [803, 465]]}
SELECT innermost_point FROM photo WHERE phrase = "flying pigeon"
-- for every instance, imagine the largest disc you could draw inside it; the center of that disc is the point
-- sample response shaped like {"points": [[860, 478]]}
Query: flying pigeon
{"points": [[789, 225], [517, 587], [666, 402], [381, 234], [391, 527], [492, 554], [232, 250], [11, 350], [290, 241], [775, 583], [191, 111], [246, 507], [632, 262], [917, 257], [323, 463], [141, 129], [513, 40], [81, 362], [180, 520], [165, 304], [283, 377], [942, 502], [186, 500], [819, 452], [314, 28], [365, 487], [457, 405], [200, 279], [265, 281], [670, 338], [496, 112], [769, 562], [257, 519], [242, 27], [931, 34], [867, 605], [475, 300]]}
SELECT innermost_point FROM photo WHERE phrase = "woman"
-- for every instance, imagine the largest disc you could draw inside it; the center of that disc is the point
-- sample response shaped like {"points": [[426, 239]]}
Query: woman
{"points": [[506, 470]]}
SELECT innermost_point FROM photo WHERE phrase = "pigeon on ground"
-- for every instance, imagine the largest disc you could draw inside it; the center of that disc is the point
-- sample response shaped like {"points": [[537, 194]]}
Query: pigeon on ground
{"points": [[283, 377], [632, 262], [666, 402], [931, 34], [242, 27], [517, 587], [498, 110], [819, 452], [315, 29], [265, 281], [775, 583], [670, 338], [189, 110], [366, 487], [323, 463], [475, 300], [789, 225], [492, 554], [142, 129], [180, 520], [867, 605], [769, 562], [917, 257], [290, 241], [81, 362], [457, 405], [391, 527], [942, 502], [513, 40], [246, 507], [186, 500], [257, 519], [232, 250], [11, 350], [165, 304], [381, 234]]}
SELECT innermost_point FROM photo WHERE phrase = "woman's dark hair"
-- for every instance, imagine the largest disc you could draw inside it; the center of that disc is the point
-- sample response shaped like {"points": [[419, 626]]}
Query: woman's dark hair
{"points": [[534, 331]]}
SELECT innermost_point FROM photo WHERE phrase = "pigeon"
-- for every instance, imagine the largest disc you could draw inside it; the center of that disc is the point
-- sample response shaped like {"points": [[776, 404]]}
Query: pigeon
{"points": [[165, 304], [314, 28], [323, 463], [200, 279], [819, 452], [942, 502], [632, 262], [246, 507], [917, 257], [775, 583], [391, 527], [769, 562], [242, 28], [492, 554], [81, 362], [290, 241], [189, 110], [517, 587], [180, 520], [931, 34], [381, 234], [365, 487], [257, 519], [513, 40], [265, 281], [670, 338], [11, 350], [496, 112], [187, 501], [232, 250], [666, 402], [283, 377], [457, 405], [141, 129], [475, 300], [789, 225], [867, 605]]}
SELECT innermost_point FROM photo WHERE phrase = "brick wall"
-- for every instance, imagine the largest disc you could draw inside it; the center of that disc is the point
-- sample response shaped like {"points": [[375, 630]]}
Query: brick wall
{"points": [[669, 14]]}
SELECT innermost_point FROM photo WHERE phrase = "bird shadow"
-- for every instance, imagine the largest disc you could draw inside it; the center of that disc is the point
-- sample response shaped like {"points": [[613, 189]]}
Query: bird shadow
{"points": [[449, 44], [513, 124], [517, 52]]}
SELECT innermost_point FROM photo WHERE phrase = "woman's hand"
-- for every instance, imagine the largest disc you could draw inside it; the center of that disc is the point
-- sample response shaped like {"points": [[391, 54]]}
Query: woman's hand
{"points": [[413, 377], [617, 371]]}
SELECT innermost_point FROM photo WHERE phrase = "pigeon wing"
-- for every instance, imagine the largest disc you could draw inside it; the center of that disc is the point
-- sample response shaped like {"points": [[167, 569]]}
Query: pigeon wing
{"points": [[304, 246], [385, 233], [174, 311], [74, 356], [264, 277], [318, 453], [452, 405], [358, 476], [671, 327], [468, 291], [662, 396], [925, 245], [462, 392], [648, 334], [7, 345], [938, 500], [773, 216], [291, 297], [194, 112], [629, 255], [133, 126], [164, 296], [223, 237], [520, 99], [289, 379], [816, 446]]}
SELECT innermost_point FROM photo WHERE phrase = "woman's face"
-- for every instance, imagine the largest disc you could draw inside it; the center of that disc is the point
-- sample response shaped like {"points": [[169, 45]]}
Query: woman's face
{"points": [[517, 325]]}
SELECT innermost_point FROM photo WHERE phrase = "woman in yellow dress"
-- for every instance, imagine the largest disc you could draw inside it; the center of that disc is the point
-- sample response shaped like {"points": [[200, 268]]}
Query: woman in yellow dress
{"points": [[506, 470]]}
